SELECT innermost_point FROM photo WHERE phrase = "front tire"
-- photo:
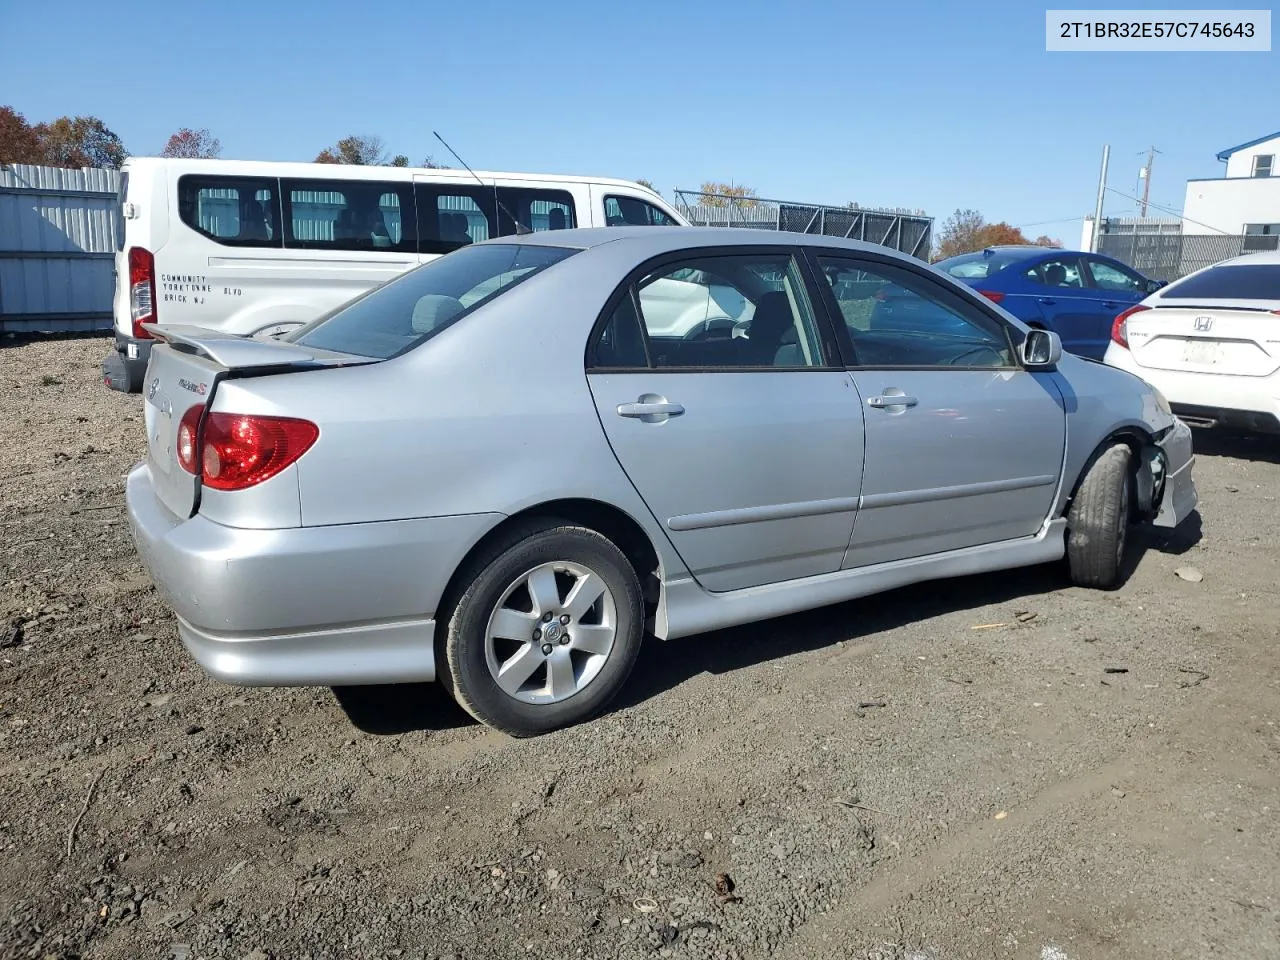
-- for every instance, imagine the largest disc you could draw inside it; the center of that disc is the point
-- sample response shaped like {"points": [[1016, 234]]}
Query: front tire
{"points": [[1098, 521], [546, 630]]}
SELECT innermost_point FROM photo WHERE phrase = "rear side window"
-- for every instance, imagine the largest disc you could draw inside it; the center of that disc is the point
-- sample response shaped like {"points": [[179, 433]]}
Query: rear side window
{"points": [[451, 216], [1253, 281], [349, 215], [414, 307], [631, 211], [536, 210], [234, 211]]}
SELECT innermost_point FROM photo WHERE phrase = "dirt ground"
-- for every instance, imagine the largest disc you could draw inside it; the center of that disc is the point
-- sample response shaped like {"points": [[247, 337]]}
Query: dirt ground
{"points": [[998, 766]]}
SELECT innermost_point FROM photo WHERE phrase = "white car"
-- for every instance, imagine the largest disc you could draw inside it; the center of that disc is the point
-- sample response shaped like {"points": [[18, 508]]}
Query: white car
{"points": [[1210, 343]]}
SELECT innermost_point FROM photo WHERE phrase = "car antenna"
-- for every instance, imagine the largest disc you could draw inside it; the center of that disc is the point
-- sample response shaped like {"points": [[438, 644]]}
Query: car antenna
{"points": [[520, 227]]}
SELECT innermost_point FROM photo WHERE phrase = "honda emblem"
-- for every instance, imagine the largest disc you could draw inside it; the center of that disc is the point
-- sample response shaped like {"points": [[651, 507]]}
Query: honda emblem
{"points": [[1204, 324]]}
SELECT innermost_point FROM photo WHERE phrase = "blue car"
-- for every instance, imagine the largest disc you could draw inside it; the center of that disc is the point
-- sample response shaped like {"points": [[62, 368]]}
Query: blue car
{"points": [[1077, 295]]}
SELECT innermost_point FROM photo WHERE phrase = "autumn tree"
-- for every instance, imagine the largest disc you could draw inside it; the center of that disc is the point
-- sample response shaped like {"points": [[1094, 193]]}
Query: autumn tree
{"points": [[195, 144], [1045, 241], [18, 141], [722, 194], [646, 183], [961, 233], [367, 150]]}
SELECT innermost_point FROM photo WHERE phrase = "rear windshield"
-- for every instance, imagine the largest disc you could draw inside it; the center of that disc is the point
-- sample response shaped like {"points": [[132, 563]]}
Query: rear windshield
{"points": [[412, 308], [1252, 281], [976, 266]]}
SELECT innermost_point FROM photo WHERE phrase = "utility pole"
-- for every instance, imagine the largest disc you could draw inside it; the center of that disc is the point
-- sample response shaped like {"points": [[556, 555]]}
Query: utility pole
{"points": [[1102, 189], [1146, 179]]}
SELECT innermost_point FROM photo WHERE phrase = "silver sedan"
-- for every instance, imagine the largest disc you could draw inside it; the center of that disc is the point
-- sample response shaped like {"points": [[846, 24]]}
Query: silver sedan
{"points": [[503, 468]]}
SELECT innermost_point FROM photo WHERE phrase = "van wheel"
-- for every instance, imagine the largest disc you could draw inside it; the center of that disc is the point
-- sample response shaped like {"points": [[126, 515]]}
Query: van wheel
{"points": [[546, 630], [1098, 521]]}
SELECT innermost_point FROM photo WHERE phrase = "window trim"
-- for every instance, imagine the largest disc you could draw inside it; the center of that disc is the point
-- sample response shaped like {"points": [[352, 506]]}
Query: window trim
{"points": [[232, 181], [828, 341], [387, 186], [1271, 165], [951, 293]]}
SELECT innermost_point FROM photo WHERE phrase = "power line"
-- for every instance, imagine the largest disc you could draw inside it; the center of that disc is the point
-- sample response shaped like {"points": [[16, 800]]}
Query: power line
{"points": [[1171, 212], [1045, 223]]}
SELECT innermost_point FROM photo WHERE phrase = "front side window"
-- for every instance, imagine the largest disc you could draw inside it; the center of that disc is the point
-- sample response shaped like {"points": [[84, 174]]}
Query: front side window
{"points": [[715, 313], [233, 211], [349, 215], [1107, 276], [1262, 165], [1058, 272], [407, 311], [632, 211], [896, 318]]}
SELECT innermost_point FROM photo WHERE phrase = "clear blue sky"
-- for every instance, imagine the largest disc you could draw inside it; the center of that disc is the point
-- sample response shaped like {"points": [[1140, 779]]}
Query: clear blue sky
{"points": [[895, 104]]}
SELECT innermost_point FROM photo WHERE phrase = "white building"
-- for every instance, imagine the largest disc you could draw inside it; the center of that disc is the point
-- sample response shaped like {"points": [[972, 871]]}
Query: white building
{"points": [[1246, 200]]}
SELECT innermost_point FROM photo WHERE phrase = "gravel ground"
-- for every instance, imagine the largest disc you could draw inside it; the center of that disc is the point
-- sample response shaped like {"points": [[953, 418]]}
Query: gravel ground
{"points": [[998, 766]]}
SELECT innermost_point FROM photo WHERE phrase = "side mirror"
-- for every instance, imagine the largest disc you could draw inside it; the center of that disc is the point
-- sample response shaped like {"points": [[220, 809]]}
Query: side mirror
{"points": [[1154, 285], [1041, 350]]}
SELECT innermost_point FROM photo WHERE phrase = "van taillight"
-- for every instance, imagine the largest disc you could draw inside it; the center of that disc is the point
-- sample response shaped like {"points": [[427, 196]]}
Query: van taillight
{"points": [[142, 290]]}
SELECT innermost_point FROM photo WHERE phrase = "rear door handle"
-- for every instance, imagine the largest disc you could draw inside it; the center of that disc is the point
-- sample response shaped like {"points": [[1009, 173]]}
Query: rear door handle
{"points": [[1110, 303], [650, 411], [892, 400], [1048, 300]]}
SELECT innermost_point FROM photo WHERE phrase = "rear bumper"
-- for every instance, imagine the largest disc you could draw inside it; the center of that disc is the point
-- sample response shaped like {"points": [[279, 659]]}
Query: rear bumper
{"points": [[1209, 399], [331, 606], [133, 350], [1180, 496]]}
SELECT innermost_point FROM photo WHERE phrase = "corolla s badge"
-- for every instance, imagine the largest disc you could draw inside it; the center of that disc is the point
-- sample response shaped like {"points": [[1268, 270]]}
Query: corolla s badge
{"points": [[1204, 324]]}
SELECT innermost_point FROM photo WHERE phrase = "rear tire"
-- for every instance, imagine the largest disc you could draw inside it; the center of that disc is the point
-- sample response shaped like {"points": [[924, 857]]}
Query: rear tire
{"points": [[1098, 521], [516, 618]]}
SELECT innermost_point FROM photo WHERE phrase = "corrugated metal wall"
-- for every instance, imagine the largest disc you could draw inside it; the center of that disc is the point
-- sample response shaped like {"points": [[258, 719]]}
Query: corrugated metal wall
{"points": [[57, 244]]}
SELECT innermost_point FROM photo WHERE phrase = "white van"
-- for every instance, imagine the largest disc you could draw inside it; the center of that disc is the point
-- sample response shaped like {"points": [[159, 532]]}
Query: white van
{"points": [[253, 247]]}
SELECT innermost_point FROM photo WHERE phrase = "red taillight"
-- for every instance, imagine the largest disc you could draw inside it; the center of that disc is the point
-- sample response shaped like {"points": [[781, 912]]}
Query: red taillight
{"points": [[142, 290], [995, 296], [188, 435], [239, 450], [1120, 326]]}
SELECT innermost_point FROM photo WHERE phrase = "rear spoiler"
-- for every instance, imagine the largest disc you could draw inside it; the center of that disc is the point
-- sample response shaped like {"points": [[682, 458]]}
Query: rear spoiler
{"points": [[237, 352]]}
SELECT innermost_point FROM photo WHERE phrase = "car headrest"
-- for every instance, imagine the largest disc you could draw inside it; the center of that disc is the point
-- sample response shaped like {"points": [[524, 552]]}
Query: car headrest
{"points": [[434, 310]]}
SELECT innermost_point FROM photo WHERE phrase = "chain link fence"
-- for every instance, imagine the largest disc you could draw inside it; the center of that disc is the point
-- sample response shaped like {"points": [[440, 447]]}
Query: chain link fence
{"points": [[908, 232], [1172, 256]]}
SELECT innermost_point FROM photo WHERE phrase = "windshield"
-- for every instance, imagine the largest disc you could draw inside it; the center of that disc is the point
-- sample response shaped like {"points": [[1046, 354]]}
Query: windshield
{"points": [[976, 266], [1252, 281], [412, 308]]}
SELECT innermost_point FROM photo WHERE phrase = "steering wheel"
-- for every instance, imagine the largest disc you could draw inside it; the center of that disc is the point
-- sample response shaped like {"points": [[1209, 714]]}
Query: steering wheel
{"points": [[955, 361], [713, 328]]}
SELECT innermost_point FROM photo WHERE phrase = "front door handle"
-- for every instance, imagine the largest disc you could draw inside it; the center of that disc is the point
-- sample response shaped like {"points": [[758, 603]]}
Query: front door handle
{"points": [[650, 409], [1110, 304], [1048, 300], [893, 400]]}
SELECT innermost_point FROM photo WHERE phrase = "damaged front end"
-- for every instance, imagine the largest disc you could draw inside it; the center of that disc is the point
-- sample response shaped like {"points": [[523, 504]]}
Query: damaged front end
{"points": [[1165, 489]]}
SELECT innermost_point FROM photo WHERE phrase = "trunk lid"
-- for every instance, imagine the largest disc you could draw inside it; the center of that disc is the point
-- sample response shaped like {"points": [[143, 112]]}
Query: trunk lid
{"points": [[1233, 340], [185, 368]]}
